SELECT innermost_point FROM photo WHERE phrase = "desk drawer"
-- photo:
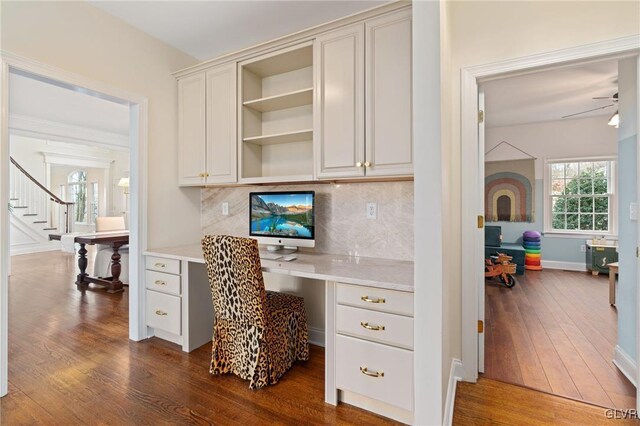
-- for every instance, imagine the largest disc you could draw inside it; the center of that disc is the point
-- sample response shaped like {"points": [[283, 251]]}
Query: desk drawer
{"points": [[164, 312], [165, 283], [380, 327], [394, 385], [172, 266], [377, 299]]}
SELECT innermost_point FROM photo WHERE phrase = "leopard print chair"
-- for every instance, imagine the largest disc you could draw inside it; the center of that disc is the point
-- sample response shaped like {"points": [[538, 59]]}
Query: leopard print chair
{"points": [[258, 334]]}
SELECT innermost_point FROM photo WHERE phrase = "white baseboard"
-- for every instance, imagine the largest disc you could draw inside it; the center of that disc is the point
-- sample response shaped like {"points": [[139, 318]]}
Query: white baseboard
{"points": [[567, 266], [455, 375], [625, 364], [316, 336]]}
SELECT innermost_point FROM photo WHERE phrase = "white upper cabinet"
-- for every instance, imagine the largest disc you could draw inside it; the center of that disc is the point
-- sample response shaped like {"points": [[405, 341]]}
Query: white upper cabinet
{"points": [[363, 99], [389, 146], [330, 105], [221, 125], [191, 129], [207, 127], [339, 103]]}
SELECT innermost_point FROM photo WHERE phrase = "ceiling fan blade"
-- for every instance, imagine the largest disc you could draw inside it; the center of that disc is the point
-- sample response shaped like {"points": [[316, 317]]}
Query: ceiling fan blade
{"points": [[589, 110]]}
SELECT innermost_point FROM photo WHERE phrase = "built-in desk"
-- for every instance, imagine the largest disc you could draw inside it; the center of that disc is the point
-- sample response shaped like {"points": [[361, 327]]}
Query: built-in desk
{"points": [[368, 319], [382, 273]]}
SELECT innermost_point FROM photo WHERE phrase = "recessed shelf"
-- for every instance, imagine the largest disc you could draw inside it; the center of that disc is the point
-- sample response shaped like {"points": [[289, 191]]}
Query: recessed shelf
{"points": [[291, 59], [284, 101], [287, 137]]}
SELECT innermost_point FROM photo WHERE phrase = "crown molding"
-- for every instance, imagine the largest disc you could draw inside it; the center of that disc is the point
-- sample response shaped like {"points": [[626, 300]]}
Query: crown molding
{"points": [[76, 160], [51, 130]]}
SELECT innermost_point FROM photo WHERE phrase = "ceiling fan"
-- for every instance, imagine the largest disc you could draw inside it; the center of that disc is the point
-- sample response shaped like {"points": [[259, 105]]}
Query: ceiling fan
{"points": [[613, 99]]}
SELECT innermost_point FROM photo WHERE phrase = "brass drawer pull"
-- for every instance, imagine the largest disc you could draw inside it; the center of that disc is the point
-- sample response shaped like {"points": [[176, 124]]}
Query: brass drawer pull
{"points": [[158, 282], [369, 300], [161, 313], [372, 327], [366, 372], [160, 265]]}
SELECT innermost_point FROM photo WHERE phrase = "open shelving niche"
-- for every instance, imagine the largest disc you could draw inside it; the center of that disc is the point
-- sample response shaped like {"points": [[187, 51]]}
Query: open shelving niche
{"points": [[276, 116]]}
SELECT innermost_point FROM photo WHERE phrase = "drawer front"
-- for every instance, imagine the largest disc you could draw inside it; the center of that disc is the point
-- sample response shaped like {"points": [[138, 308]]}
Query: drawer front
{"points": [[391, 301], [389, 371], [164, 312], [171, 266], [375, 326], [160, 281]]}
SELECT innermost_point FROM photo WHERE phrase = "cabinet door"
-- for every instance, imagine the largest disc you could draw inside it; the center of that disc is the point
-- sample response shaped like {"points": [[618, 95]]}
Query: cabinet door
{"points": [[221, 124], [389, 149], [191, 130], [339, 103]]}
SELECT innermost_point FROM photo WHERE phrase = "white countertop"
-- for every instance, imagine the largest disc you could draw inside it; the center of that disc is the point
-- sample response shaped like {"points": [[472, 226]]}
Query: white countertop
{"points": [[382, 273]]}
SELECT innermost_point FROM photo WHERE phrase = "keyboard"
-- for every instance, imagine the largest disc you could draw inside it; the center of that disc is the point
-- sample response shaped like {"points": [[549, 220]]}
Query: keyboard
{"points": [[269, 256]]}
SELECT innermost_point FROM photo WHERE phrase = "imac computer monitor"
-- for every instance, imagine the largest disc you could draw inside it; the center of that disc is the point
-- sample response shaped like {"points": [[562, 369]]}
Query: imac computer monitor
{"points": [[280, 219]]}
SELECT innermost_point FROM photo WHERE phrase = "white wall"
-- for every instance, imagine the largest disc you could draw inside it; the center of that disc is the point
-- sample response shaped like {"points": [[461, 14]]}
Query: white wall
{"points": [[626, 297], [483, 32], [553, 139], [429, 215], [571, 138], [80, 38]]}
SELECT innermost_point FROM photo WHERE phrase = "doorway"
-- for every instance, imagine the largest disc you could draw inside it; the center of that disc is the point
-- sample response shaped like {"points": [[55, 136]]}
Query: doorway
{"points": [[137, 106], [552, 188], [473, 194]]}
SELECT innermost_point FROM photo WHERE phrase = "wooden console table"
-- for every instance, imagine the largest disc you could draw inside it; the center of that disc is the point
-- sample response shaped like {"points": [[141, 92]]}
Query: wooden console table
{"points": [[115, 241]]}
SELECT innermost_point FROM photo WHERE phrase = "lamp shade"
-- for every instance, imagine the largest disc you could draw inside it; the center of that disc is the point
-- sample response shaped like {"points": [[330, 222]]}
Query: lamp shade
{"points": [[124, 182]]}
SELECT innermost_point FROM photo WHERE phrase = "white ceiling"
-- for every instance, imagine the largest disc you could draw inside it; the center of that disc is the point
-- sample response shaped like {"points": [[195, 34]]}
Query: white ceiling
{"points": [[206, 29], [550, 95], [40, 100]]}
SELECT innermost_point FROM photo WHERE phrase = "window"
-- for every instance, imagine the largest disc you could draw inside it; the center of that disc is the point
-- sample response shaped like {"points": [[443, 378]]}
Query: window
{"points": [[580, 196], [94, 201], [77, 190]]}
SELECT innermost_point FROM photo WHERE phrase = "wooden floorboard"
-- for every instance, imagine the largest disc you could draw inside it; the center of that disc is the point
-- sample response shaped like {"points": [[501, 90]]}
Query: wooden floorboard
{"points": [[70, 362], [557, 330], [491, 402]]}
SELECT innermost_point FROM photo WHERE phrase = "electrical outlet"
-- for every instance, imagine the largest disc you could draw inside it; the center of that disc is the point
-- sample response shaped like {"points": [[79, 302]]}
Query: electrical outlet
{"points": [[372, 211], [225, 209], [583, 248]]}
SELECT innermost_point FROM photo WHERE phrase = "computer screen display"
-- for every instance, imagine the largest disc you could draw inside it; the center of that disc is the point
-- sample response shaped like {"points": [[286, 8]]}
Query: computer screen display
{"points": [[282, 214]]}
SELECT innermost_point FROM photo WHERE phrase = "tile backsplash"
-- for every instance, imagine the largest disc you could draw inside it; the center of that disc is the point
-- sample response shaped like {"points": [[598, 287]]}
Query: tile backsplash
{"points": [[341, 223]]}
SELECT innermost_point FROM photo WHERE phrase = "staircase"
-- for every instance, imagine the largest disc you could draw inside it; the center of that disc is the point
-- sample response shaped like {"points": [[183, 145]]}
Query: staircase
{"points": [[35, 212]]}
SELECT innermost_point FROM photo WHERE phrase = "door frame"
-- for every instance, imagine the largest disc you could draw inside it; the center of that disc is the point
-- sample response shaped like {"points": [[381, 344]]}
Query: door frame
{"points": [[472, 251], [138, 114]]}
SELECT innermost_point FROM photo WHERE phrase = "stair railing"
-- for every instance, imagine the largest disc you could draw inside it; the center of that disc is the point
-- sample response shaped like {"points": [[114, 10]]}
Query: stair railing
{"points": [[32, 193]]}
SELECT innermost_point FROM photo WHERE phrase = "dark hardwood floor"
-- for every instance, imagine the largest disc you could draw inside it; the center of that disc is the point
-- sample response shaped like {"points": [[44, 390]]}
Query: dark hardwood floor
{"points": [[490, 402], [556, 332], [70, 362]]}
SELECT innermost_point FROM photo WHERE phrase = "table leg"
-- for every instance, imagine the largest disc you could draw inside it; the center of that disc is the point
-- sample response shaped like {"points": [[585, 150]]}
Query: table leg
{"points": [[116, 285], [81, 283], [612, 286]]}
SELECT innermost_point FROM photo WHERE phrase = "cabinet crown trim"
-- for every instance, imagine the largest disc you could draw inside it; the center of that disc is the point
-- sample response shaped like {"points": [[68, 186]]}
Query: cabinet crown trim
{"points": [[293, 38]]}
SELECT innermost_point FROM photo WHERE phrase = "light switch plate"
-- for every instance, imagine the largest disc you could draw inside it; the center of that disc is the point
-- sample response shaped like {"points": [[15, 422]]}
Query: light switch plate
{"points": [[225, 209], [372, 211], [633, 211]]}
